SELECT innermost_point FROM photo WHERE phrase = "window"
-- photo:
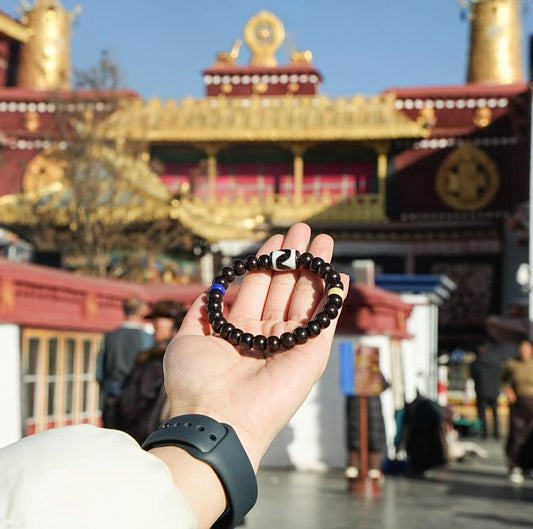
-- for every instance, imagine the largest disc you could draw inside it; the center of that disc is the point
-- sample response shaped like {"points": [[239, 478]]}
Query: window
{"points": [[58, 379]]}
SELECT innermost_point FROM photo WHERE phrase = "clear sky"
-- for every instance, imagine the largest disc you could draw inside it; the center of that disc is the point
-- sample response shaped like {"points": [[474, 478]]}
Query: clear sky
{"points": [[360, 46]]}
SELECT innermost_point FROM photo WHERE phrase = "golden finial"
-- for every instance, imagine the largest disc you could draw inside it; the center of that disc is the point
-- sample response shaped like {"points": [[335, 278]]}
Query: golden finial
{"points": [[45, 58], [495, 41], [229, 57], [264, 33]]}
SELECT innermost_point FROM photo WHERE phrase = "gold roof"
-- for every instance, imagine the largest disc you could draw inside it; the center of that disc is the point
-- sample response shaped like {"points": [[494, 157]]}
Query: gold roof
{"points": [[14, 29], [257, 119], [130, 193]]}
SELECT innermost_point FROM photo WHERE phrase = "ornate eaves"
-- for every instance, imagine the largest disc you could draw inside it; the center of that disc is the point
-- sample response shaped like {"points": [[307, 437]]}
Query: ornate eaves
{"points": [[133, 194], [259, 119]]}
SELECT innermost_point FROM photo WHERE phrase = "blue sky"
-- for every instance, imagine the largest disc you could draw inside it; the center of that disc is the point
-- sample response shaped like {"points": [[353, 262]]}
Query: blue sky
{"points": [[360, 46]]}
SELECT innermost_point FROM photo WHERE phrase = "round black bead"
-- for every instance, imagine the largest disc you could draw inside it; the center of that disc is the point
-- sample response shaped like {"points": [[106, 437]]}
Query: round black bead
{"points": [[316, 263], [226, 329], [260, 342], [217, 324], [214, 314], [239, 266], [213, 305], [305, 260], [228, 273], [287, 340], [273, 344], [221, 280], [234, 336], [246, 341], [312, 328], [332, 277], [335, 299], [323, 319], [331, 310], [215, 295], [251, 263], [264, 262], [325, 269], [300, 335], [336, 284]]}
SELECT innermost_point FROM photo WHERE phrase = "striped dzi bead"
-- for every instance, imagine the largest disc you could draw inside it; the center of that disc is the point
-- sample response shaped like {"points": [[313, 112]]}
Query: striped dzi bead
{"points": [[284, 260]]}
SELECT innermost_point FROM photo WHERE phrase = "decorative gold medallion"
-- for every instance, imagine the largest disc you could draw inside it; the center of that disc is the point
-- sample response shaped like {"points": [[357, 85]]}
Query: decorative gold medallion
{"points": [[468, 179], [42, 169], [264, 33]]}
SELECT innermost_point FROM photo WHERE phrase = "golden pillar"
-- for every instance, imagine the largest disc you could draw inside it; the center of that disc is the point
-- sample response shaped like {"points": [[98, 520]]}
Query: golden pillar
{"points": [[495, 42], [45, 57], [211, 169], [382, 150], [298, 176]]}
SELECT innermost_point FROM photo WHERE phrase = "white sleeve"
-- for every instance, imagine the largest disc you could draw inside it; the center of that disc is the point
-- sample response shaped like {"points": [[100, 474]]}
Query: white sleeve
{"points": [[86, 477]]}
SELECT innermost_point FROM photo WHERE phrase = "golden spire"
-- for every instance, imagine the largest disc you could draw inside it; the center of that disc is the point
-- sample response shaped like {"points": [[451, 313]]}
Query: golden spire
{"points": [[45, 58], [495, 42]]}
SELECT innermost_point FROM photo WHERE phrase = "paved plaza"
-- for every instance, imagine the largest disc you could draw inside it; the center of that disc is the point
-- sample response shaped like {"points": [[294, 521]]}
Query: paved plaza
{"points": [[474, 494]]}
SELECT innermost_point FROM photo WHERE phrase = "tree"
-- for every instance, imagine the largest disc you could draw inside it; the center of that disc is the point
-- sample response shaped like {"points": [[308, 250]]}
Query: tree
{"points": [[87, 195]]}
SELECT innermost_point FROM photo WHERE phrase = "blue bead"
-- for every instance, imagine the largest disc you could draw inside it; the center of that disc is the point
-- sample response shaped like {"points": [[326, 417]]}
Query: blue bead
{"points": [[218, 286]]}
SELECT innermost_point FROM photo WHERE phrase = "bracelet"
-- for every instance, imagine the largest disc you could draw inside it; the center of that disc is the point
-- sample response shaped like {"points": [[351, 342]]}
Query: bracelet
{"points": [[217, 445], [278, 261]]}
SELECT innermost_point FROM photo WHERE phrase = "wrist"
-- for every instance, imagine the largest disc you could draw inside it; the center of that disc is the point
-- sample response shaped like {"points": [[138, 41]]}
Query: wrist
{"points": [[217, 445], [254, 448]]}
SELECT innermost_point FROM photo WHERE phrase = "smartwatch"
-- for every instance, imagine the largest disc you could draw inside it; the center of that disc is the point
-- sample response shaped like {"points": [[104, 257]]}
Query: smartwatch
{"points": [[217, 445]]}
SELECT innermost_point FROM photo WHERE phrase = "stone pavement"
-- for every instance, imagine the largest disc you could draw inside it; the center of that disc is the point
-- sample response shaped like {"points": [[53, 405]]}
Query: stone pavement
{"points": [[474, 494]]}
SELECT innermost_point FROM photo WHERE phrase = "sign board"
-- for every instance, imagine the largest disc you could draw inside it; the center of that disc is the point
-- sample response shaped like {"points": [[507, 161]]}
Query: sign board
{"points": [[360, 374]]}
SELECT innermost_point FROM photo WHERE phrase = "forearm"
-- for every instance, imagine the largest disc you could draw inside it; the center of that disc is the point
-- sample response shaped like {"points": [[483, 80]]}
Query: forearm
{"points": [[197, 481]]}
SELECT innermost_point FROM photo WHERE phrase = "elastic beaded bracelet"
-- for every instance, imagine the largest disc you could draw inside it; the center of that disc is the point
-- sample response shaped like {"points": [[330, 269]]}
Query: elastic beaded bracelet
{"points": [[278, 261]]}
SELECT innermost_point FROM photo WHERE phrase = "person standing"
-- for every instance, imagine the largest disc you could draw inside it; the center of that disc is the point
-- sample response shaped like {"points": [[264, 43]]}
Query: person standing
{"points": [[143, 403], [486, 372], [518, 384], [116, 360]]}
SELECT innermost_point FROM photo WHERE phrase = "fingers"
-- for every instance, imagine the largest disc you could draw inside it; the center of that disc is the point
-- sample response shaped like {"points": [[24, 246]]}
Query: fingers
{"points": [[194, 321], [283, 284], [254, 287], [309, 289]]}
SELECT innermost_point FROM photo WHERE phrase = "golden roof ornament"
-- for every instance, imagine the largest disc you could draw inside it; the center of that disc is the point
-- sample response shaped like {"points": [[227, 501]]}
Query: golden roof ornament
{"points": [[495, 41], [264, 33], [45, 56]]}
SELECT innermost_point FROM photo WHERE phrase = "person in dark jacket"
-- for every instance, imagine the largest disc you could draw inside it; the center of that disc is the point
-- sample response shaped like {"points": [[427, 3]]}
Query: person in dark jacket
{"points": [[486, 372], [143, 402], [116, 360]]}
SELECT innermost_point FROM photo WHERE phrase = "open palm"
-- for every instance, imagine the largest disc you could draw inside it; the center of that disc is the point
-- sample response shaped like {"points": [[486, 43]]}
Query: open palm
{"points": [[256, 394]]}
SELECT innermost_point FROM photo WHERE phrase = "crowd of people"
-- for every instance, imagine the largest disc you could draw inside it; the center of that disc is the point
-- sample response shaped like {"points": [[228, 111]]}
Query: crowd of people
{"points": [[130, 367]]}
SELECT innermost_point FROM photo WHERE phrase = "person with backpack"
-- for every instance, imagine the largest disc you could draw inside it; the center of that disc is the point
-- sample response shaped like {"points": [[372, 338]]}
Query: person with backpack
{"points": [[116, 360], [143, 403]]}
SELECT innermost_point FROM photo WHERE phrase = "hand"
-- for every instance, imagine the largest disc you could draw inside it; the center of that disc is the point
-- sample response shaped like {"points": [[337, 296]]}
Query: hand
{"points": [[511, 395], [256, 395]]}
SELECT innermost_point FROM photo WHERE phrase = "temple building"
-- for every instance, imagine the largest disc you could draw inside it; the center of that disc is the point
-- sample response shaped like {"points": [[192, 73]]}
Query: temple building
{"points": [[418, 179]]}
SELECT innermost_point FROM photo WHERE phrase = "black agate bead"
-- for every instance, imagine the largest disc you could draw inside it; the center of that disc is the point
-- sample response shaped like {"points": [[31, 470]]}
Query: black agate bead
{"points": [[300, 335], [273, 344], [246, 341], [239, 267], [260, 342], [264, 262], [287, 340]]}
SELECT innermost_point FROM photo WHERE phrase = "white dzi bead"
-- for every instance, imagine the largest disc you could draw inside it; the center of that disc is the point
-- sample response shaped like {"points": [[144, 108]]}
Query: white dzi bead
{"points": [[284, 260]]}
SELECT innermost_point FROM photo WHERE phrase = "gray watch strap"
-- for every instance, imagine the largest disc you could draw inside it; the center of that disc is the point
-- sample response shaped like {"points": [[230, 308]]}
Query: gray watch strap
{"points": [[218, 445]]}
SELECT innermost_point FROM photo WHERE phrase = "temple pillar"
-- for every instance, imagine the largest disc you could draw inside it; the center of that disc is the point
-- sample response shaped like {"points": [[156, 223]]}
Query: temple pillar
{"points": [[382, 151], [298, 152], [211, 168]]}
